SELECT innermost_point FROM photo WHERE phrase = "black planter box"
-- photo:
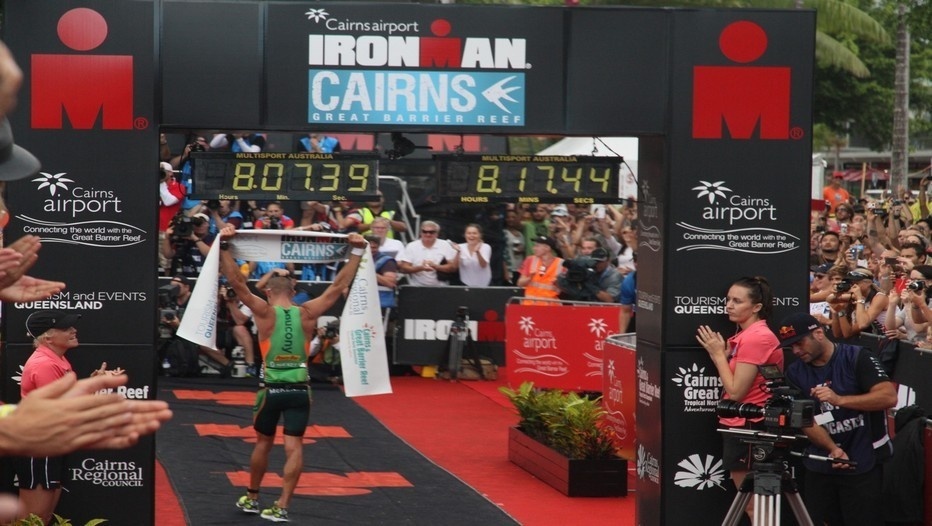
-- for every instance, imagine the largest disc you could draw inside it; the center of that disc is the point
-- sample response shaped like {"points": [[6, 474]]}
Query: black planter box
{"points": [[573, 478]]}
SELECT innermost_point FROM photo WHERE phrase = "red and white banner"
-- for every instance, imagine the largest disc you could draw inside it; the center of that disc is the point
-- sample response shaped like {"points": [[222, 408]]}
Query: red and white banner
{"points": [[619, 392], [558, 346]]}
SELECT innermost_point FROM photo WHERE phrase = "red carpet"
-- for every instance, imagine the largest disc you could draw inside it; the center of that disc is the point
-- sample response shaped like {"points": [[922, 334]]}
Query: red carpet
{"points": [[167, 509], [463, 427]]}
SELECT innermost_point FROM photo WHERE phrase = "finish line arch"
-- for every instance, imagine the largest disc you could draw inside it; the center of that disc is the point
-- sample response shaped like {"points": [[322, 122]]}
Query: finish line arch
{"points": [[719, 99]]}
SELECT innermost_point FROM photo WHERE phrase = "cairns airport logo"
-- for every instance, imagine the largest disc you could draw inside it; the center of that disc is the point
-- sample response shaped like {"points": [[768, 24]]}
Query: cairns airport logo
{"points": [[77, 199], [435, 77]]}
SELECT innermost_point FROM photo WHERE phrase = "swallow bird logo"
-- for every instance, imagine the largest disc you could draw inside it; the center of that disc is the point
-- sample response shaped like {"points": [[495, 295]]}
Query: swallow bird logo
{"points": [[501, 91]]}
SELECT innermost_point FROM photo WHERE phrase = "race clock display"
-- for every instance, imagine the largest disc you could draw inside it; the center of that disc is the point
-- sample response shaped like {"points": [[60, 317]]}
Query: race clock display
{"points": [[285, 176], [530, 179]]}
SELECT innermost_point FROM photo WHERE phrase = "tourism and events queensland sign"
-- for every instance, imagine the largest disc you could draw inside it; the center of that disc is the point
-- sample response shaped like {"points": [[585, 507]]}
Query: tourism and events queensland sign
{"points": [[413, 66]]}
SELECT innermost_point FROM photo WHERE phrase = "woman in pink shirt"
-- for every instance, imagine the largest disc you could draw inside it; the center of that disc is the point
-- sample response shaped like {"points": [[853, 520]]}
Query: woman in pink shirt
{"points": [[749, 303]]}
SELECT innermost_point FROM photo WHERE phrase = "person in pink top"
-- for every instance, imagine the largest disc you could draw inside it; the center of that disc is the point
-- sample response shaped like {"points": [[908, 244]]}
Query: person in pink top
{"points": [[40, 478], [749, 304]]}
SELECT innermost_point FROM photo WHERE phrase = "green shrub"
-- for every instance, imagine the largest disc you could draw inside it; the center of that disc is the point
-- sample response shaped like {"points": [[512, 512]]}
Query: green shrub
{"points": [[567, 422]]}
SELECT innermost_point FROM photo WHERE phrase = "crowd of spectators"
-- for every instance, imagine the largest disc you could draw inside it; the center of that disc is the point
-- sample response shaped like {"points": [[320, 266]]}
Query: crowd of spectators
{"points": [[869, 265], [592, 247]]}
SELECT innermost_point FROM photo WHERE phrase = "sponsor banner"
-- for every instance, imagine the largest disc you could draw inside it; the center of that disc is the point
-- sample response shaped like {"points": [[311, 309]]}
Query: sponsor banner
{"points": [[619, 392], [740, 163], [199, 324], [362, 336], [289, 246], [558, 346], [693, 475], [648, 459], [425, 315], [420, 67]]}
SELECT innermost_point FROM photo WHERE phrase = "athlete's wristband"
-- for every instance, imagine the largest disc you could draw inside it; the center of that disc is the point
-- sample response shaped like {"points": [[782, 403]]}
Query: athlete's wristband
{"points": [[358, 251]]}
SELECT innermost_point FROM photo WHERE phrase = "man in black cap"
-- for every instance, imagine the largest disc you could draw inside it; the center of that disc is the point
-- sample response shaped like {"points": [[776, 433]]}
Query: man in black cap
{"points": [[54, 334], [852, 393]]}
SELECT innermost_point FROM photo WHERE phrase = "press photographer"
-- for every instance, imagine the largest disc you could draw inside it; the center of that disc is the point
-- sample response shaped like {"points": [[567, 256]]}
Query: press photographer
{"points": [[180, 357], [186, 244], [852, 394], [171, 194], [324, 363], [590, 278]]}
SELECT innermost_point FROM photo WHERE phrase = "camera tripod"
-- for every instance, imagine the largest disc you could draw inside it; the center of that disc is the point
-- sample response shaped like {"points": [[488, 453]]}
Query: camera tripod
{"points": [[769, 480], [460, 342]]}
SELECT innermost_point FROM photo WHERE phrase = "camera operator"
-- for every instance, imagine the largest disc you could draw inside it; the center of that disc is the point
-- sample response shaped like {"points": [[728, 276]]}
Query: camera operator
{"points": [[171, 193], [274, 218], [194, 144], [186, 244], [324, 363], [748, 304], [174, 299], [590, 278], [239, 320], [852, 393]]}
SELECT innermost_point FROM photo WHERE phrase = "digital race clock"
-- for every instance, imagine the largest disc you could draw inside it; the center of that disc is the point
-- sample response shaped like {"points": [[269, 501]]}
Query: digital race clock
{"points": [[529, 178], [285, 176]]}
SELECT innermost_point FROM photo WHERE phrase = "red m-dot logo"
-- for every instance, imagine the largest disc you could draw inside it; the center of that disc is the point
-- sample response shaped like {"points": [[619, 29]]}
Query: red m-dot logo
{"points": [[83, 88], [742, 99]]}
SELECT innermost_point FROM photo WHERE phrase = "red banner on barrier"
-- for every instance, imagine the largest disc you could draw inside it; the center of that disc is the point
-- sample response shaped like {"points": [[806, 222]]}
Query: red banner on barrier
{"points": [[619, 391], [558, 346]]}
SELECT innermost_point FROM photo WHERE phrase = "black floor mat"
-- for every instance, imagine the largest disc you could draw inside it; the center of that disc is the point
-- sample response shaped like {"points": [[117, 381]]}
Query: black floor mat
{"points": [[355, 471]]}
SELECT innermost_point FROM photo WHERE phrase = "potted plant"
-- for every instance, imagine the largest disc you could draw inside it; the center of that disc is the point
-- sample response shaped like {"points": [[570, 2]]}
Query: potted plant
{"points": [[561, 438]]}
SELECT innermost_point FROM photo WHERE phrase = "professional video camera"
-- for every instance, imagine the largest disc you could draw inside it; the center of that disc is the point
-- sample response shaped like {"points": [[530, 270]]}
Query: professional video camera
{"points": [[461, 314], [785, 412], [213, 204], [182, 227], [580, 281], [168, 295]]}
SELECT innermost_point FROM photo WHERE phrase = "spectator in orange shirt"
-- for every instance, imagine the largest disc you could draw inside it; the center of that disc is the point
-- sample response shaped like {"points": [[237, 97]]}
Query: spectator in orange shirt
{"points": [[834, 194]]}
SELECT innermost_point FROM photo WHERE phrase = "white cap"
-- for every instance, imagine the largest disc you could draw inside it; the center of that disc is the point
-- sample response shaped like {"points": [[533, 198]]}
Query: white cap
{"points": [[165, 167]]}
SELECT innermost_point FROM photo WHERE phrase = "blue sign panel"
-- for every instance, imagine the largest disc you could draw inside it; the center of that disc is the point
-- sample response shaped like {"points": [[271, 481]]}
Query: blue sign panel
{"points": [[438, 98]]}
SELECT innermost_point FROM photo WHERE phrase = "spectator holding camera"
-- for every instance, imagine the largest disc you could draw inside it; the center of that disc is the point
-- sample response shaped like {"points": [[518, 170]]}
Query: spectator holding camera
{"points": [[858, 305], [590, 277], [324, 354], [186, 244], [171, 194], [239, 321], [906, 311], [173, 346], [224, 212], [274, 218]]}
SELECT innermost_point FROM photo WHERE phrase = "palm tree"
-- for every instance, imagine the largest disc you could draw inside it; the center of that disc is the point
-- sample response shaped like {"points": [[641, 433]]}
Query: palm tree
{"points": [[834, 17]]}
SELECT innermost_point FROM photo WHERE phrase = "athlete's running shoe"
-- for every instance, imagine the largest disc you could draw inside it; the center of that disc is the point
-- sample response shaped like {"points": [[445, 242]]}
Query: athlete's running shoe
{"points": [[275, 514], [248, 505]]}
